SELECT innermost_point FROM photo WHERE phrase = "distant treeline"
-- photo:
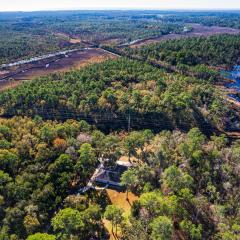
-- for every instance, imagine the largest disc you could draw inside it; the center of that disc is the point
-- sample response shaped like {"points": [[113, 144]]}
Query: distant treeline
{"points": [[24, 35]]}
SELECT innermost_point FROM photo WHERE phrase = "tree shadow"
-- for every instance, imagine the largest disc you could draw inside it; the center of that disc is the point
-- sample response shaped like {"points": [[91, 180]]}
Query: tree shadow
{"points": [[127, 199]]}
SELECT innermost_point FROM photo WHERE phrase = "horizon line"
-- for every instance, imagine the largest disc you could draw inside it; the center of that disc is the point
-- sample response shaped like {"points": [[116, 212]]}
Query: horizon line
{"points": [[120, 9]]}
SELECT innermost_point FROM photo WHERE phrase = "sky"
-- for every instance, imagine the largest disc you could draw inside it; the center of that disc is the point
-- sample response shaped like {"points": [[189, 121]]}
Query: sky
{"points": [[33, 5]]}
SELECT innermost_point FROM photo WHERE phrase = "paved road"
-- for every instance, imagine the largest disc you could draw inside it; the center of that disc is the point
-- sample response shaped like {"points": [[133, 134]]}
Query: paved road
{"points": [[89, 185]]}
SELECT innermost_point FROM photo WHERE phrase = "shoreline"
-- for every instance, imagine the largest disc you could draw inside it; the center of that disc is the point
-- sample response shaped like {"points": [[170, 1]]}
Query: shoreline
{"points": [[233, 90]]}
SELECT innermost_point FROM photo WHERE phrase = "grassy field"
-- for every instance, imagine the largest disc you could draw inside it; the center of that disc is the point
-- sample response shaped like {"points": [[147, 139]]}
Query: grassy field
{"points": [[119, 199]]}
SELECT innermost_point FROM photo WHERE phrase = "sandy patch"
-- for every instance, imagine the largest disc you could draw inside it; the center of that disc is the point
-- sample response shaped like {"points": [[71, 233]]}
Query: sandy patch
{"points": [[75, 40]]}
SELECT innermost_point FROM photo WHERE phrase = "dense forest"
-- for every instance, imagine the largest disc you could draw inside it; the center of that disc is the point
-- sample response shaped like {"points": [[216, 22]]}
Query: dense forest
{"points": [[200, 57], [120, 29], [218, 51], [41, 164], [190, 194], [188, 185], [156, 109], [111, 91], [25, 46]]}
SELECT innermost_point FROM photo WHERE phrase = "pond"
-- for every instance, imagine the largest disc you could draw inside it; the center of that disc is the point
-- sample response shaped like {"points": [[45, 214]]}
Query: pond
{"points": [[233, 75]]}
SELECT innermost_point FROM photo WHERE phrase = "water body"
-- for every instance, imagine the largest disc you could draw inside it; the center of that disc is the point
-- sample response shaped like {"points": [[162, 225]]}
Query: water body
{"points": [[235, 76]]}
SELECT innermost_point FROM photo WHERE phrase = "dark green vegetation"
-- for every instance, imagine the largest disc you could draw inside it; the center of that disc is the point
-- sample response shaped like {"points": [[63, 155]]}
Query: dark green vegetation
{"points": [[108, 93], [195, 57], [122, 28], [41, 164], [184, 187], [24, 37], [222, 50], [188, 185], [17, 45]]}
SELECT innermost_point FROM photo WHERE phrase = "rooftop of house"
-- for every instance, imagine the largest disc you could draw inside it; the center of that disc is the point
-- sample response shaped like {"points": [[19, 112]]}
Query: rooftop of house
{"points": [[111, 175]]}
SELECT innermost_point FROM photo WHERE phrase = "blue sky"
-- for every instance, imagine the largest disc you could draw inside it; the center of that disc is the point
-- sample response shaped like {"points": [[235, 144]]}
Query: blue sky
{"points": [[29, 5]]}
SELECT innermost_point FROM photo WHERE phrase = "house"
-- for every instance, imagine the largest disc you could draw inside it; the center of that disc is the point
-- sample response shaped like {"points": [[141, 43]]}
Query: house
{"points": [[110, 176]]}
